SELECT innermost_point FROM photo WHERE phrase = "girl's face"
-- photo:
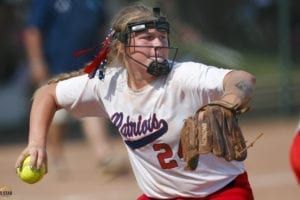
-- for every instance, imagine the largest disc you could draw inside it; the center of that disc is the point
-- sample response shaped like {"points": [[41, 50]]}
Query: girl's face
{"points": [[148, 46]]}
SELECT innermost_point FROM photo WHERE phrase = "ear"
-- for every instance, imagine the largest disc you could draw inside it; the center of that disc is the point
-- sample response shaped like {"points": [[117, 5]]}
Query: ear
{"points": [[123, 37], [121, 48]]}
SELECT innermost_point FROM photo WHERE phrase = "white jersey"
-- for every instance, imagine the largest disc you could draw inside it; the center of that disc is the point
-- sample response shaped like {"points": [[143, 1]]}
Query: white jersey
{"points": [[150, 120]]}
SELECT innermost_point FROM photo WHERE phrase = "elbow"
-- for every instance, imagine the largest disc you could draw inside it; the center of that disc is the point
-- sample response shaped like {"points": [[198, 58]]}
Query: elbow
{"points": [[239, 82], [247, 76], [252, 78]]}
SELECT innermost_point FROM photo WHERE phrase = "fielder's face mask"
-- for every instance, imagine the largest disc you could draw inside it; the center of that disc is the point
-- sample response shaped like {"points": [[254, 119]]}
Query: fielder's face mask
{"points": [[155, 68]]}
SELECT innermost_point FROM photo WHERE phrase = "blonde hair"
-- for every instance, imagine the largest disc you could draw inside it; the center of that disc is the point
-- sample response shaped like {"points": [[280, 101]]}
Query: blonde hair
{"points": [[65, 76], [136, 12]]}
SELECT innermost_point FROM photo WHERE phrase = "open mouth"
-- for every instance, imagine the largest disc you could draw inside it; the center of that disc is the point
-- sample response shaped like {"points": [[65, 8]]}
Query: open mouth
{"points": [[157, 59]]}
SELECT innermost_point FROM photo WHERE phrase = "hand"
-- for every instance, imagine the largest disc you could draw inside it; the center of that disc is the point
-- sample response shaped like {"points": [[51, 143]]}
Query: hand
{"points": [[38, 157]]}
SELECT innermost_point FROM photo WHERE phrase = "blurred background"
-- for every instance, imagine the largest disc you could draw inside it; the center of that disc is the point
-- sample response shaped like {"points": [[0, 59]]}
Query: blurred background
{"points": [[259, 36]]}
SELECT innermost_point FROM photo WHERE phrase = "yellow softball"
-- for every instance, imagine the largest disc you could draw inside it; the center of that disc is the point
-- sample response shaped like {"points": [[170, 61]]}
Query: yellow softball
{"points": [[28, 174]]}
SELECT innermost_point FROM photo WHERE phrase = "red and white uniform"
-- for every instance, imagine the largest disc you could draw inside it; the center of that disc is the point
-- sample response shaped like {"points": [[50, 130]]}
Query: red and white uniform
{"points": [[295, 154], [150, 120]]}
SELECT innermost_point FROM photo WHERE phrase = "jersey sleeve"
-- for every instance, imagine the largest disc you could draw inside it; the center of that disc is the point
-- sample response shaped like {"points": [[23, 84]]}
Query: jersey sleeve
{"points": [[200, 82], [80, 97]]}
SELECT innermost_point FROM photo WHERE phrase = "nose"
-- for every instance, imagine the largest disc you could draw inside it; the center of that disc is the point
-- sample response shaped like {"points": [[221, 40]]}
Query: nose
{"points": [[158, 45], [158, 42]]}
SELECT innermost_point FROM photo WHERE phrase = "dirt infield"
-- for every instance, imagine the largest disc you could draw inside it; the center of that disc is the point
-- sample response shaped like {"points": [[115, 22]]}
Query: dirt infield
{"points": [[267, 165]]}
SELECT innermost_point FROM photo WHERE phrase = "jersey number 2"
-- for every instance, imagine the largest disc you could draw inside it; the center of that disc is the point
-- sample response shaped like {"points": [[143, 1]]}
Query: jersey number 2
{"points": [[165, 154]]}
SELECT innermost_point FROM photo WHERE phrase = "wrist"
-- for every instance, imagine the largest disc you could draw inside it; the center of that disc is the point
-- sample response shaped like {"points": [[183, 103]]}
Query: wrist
{"points": [[232, 98]]}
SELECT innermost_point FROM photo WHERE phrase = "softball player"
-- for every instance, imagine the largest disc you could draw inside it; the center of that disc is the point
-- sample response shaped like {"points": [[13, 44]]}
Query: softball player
{"points": [[135, 82]]}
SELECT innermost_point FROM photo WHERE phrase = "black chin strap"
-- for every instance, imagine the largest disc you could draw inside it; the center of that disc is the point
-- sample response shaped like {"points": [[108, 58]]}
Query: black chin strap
{"points": [[156, 68], [159, 68]]}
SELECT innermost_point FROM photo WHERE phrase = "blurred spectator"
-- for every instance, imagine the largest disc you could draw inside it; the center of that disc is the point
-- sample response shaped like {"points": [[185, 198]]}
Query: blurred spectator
{"points": [[10, 51], [295, 30], [55, 29], [13, 74]]}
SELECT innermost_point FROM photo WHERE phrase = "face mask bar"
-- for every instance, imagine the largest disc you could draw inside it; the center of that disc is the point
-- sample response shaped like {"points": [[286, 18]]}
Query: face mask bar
{"points": [[155, 68]]}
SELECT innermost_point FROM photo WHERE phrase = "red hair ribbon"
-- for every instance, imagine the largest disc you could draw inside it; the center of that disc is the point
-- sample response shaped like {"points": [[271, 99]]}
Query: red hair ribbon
{"points": [[81, 52], [101, 57]]}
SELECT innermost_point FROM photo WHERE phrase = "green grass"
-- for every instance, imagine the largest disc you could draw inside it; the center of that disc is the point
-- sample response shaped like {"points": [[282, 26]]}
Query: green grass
{"points": [[264, 65], [268, 71]]}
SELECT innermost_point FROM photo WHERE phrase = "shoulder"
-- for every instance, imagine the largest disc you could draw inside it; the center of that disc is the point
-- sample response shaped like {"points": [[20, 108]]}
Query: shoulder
{"points": [[183, 65], [195, 77], [74, 82], [114, 73], [113, 77]]}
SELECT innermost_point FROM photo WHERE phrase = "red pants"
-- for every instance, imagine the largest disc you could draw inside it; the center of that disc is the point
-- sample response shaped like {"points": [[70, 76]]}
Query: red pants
{"points": [[295, 156], [238, 189]]}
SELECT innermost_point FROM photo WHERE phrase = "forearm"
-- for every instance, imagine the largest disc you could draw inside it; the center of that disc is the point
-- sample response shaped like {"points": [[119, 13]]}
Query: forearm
{"points": [[35, 54], [43, 108], [238, 87], [33, 45]]}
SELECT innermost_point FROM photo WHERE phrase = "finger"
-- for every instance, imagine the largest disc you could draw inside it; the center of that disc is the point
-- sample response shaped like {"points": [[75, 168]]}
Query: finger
{"points": [[20, 159], [228, 136], [205, 137], [42, 160], [218, 142], [46, 165], [33, 159]]}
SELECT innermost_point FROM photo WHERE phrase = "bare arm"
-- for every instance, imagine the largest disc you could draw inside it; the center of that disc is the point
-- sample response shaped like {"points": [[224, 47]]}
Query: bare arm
{"points": [[43, 108], [35, 54], [238, 87]]}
